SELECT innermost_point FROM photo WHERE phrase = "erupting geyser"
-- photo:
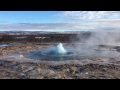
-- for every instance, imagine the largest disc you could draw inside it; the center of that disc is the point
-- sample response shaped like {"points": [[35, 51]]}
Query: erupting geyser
{"points": [[58, 50], [55, 53]]}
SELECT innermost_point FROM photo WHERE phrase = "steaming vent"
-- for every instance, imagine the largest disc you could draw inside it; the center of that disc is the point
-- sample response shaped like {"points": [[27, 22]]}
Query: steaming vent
{"points": [[58, 50]]}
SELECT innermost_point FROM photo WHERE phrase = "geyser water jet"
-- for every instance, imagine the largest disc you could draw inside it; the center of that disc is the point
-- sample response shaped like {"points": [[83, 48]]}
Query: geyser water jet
{"points": [[60, 49]]}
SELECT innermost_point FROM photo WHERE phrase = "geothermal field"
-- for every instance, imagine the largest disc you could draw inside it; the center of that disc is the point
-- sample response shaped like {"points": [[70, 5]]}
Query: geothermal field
{"points": [[81, 55]]}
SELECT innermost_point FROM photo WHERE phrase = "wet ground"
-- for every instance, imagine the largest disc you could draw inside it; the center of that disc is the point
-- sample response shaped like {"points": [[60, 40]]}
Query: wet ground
{"points": [[15, 65]]}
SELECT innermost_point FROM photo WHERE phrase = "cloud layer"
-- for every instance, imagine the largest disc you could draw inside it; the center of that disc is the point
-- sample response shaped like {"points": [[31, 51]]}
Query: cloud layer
{"points": [[90, 15], [97, 20], [74, 21], [41, 27]]}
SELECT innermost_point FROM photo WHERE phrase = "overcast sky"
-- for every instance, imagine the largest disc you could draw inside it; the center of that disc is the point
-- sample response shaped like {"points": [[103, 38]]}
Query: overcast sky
{"points": [[60, 20]]}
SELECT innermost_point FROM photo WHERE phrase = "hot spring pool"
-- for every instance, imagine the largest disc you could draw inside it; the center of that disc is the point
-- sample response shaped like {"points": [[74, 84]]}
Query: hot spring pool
{"points": [[60, 53], [54, 53], [63, 52]]}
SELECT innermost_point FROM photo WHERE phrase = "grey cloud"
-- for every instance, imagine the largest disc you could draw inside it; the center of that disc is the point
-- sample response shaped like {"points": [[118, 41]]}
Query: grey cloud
{"points": [[98, 25], [41, 26]]}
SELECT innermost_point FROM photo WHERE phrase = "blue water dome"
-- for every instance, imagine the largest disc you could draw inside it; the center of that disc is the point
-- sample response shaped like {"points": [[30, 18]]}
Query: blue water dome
{"points": [[58, 50]]}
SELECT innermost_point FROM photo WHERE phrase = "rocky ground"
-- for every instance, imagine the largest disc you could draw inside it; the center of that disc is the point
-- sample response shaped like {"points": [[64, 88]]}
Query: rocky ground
{"points": [[95, 68], [30, 70]]}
